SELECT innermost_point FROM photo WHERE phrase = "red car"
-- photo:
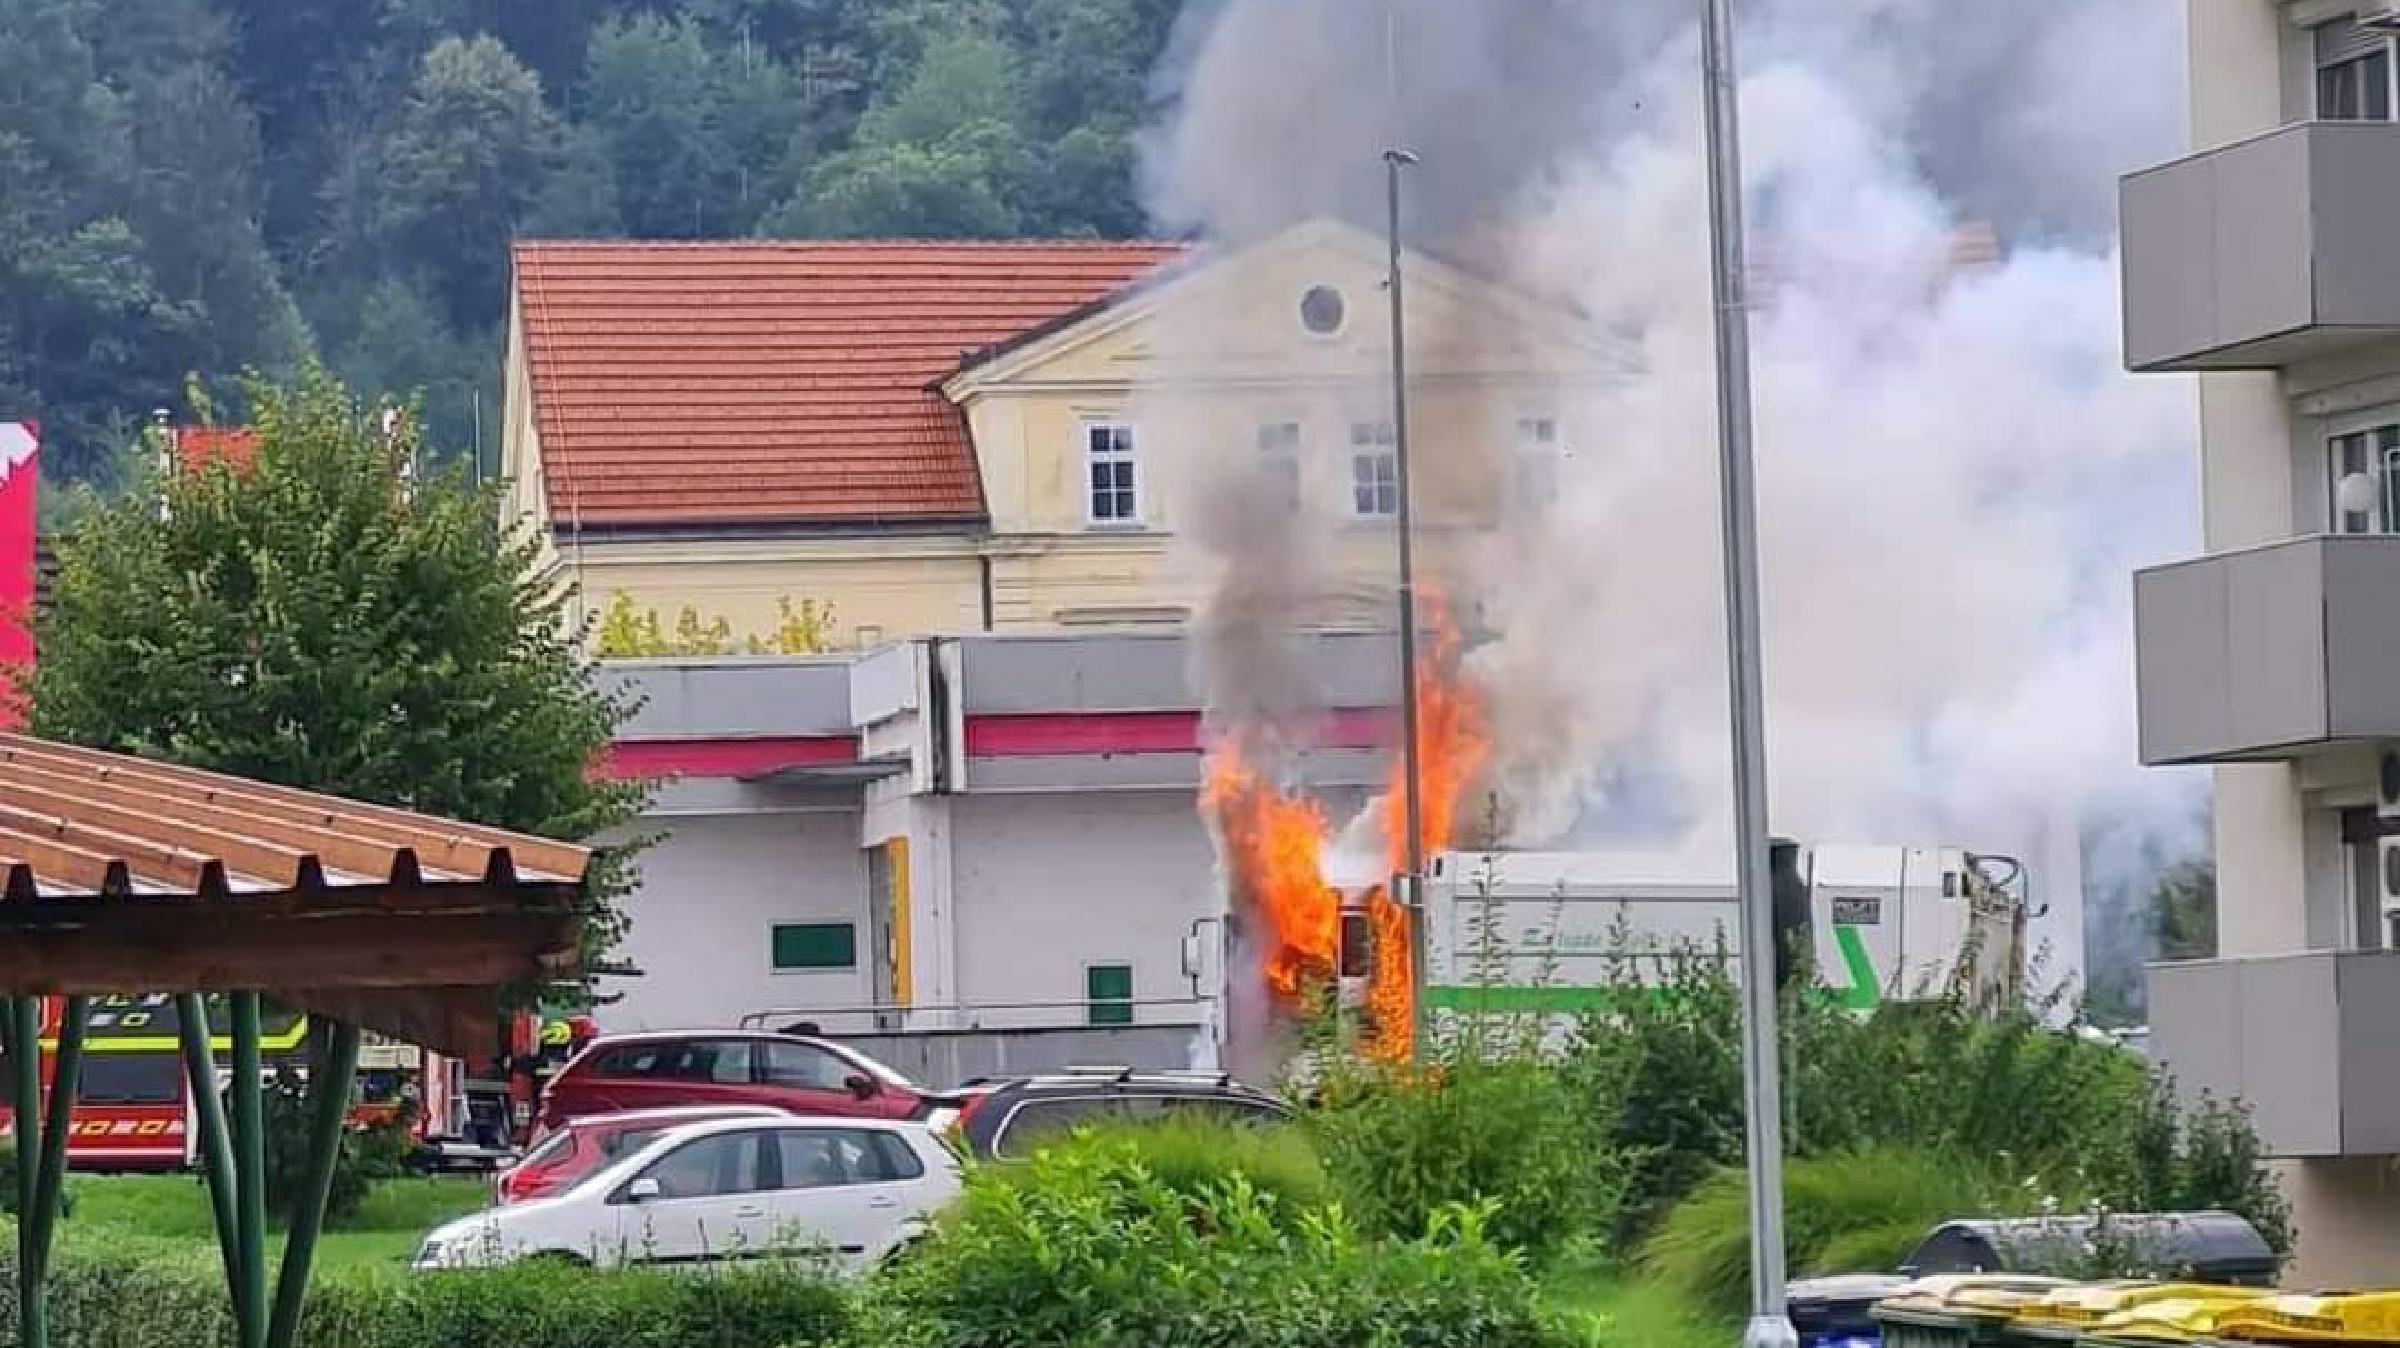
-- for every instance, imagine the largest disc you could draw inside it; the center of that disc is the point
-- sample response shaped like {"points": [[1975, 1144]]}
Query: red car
{"points": [[588, 1144], [792, 1073]]}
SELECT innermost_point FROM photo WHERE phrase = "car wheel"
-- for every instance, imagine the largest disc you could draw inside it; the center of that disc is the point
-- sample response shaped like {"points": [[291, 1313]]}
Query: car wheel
{"points": [[558, 1259]]}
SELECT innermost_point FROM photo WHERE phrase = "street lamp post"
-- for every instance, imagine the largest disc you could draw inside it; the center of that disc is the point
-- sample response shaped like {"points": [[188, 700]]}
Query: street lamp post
{"points": [[1770, 1323], [1408, 888]]}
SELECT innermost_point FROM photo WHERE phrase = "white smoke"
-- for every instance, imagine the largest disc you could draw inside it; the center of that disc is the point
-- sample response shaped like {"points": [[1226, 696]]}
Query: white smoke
{"points": [[1956, 476]]}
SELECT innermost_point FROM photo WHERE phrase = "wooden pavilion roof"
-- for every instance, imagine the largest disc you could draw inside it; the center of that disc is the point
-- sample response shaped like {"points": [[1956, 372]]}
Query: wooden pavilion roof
{"points": [[118, 874]]}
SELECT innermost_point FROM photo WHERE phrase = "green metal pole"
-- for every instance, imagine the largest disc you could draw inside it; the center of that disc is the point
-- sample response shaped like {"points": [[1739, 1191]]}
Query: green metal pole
{"points": [[329, 1110], [66, 1076], [25, 1061], [249, 1173], [214, 1147]]}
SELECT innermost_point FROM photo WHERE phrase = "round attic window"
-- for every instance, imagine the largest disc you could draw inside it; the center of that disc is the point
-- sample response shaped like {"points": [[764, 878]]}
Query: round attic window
{"points": [[1322, 310]]}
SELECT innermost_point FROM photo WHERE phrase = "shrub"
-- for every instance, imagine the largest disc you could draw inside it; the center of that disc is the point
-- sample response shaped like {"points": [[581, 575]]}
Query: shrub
{"points": [[286, 1113], [2044, 1110], [148, 1295], [1192, 1155], [1661, 1074], [1085, 1244], [1849, 1213], [1511, 1136]]}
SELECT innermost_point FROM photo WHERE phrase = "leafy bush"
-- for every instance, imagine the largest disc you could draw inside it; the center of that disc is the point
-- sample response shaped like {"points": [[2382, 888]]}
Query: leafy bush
{"points": [[286, 1113], [152, 1296], [2052, 1113], [1087, 1245], [1509, 1135], [1846, 1213], [1192, 1154], [1661, 1074]]}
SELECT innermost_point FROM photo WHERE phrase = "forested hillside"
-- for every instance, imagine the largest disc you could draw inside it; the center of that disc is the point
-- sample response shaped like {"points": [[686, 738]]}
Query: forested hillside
{"points": [[188, 187]]}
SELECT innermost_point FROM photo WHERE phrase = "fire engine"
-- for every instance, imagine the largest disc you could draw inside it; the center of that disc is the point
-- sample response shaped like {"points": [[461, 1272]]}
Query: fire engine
{"points": [[134, 1109]]}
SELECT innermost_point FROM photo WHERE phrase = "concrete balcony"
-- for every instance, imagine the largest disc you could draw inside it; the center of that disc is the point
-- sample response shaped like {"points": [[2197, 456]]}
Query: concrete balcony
{"points": [[2264, 252], [2304, 1040], [2271, 652]]}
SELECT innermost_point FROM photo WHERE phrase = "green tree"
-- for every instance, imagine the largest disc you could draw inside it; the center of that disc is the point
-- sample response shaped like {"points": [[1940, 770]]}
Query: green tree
{"points": [[695, 131], [311, 622], [941, 157], [402, 348], [463, 166]]}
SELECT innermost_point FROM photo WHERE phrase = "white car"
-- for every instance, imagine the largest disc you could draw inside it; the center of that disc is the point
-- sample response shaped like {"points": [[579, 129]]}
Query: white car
{"points": [[844, 1191]]}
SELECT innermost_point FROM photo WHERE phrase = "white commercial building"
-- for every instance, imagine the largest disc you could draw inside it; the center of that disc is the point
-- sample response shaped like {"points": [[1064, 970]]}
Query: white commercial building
{"points": [[966, 854], [2264, 262]]}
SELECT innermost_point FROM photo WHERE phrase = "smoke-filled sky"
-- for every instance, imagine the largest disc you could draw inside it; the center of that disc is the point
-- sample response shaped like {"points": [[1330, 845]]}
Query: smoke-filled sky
{"points": [[1956, 476]]}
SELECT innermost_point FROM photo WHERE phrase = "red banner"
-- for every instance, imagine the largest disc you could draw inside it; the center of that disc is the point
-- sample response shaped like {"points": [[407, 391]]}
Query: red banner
{"points": [[20, 445]]}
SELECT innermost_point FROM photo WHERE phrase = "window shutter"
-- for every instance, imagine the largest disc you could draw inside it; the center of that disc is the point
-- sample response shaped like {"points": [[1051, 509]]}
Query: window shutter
{"points": [[2343, 40]]}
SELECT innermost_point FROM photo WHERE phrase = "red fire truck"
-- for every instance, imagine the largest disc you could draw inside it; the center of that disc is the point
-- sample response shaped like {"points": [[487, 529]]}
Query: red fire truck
{"points": [[134, 1110]]}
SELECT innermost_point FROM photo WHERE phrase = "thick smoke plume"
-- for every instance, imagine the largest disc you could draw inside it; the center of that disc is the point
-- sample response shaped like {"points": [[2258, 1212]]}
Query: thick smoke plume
{"points": [[1956, 475]]}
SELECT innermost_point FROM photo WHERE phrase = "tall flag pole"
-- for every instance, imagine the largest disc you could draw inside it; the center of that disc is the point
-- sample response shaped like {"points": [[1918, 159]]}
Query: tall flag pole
{"points": [[20, 453]]}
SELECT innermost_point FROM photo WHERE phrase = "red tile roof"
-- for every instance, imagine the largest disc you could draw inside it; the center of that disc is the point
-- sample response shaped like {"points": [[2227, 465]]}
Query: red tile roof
{"points": [[198, 446], [779, 383]]}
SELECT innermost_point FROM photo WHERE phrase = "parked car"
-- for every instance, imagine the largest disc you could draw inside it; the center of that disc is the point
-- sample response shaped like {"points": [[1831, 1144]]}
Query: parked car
{"points": [[597, 1140], [792, 1073], [1003, 1119], [845, 1191]]}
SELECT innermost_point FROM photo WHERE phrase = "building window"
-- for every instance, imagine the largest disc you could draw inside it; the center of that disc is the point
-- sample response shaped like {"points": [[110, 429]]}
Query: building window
{"points": [[814, 946], [1279, 464], [1108, 994], [2354, 73], [1115, 498], [1534, 472], [2363, 471], [1323, 310], [1374, 470]]}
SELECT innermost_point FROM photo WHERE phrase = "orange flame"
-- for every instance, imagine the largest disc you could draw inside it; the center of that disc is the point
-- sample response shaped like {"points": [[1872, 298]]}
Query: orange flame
{"points": [[1452, 745], [1275, 842]]}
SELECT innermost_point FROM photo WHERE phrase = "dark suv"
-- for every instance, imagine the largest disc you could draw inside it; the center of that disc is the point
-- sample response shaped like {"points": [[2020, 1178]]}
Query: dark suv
{"points": [[1002, 1119]]}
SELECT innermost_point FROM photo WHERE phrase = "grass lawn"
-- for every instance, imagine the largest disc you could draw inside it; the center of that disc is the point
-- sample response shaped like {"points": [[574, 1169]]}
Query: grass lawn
{"points": [[1636, 1313], [174, 1208]]}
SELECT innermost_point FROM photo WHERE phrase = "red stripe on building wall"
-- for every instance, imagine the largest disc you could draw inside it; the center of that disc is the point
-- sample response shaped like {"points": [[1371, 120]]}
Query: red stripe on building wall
{"points": [[631, 759], [1050, 734]]}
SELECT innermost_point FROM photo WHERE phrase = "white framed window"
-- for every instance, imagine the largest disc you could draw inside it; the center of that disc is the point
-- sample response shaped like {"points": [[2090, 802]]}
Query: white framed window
{"points": [[2354, 73], [1374, 470], [1115, 496], [1279, 464], [2362, 475], [1533, 469]]}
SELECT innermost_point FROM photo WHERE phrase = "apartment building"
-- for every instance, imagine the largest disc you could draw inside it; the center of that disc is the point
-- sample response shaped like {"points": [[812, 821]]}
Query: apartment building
{"points": [[2263, 262]]}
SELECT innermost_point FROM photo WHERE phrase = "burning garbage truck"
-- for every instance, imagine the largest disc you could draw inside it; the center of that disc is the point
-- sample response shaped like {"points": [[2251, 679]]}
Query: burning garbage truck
{"points": [[1315, 929]]}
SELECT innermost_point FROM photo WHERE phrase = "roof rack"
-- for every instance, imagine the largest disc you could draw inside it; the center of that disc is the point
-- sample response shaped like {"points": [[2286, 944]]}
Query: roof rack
{"points": [[1121, 1073]]}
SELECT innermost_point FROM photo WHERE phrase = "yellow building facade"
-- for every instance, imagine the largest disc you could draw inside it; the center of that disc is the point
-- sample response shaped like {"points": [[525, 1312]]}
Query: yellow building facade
{"points": [[1097, 433]]}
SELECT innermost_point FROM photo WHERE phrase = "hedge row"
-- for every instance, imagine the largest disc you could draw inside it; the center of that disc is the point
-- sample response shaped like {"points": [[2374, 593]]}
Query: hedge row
{"points": [[143, 1300]]}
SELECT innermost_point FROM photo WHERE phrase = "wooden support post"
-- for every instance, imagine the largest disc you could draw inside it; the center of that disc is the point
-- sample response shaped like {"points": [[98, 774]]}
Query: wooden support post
{"points": [[329, 1084], [249, 1174], [214, 1147]]}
